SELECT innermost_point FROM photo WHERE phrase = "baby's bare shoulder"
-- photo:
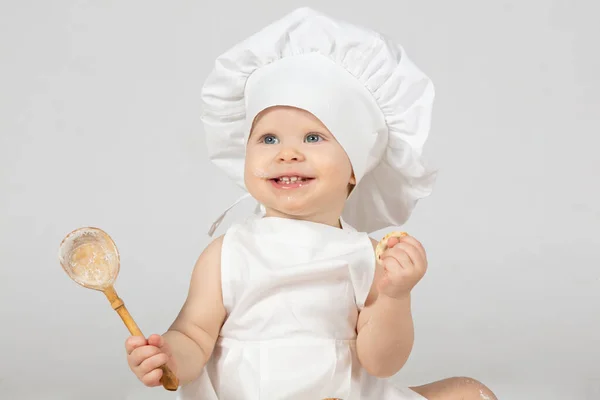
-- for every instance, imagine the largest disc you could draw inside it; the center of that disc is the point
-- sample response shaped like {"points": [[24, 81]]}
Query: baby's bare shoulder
{"points": [[211, 254], [203, 310], [206, 276]]}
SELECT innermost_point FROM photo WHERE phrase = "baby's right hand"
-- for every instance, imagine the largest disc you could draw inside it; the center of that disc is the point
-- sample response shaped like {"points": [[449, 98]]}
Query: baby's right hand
{"points": [[145, 357]]}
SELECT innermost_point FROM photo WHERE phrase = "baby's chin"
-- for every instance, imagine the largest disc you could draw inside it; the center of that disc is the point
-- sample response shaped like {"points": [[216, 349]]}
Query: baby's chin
{"points": [[295, 210], [295, 202], [313, 214]]}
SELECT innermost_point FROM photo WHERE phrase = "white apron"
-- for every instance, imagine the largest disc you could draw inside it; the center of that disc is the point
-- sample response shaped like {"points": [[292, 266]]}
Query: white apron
{"points": [[292, 290]]}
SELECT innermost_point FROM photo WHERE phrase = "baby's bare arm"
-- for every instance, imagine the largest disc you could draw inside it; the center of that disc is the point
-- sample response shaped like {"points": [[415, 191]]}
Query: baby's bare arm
{"points": [[385, 331], [193, 334]]}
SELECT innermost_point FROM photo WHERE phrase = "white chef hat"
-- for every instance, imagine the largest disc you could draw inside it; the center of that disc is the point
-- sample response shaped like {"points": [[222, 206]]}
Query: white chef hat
{"points": [[361, 86]]}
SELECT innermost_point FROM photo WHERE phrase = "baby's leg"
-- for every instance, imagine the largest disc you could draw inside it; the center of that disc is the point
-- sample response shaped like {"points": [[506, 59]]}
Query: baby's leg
{"points": [[455, 389]]}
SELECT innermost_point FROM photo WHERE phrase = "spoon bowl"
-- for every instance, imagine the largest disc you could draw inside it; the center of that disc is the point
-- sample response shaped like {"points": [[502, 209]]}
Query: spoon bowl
{"points": [[90, 257]]}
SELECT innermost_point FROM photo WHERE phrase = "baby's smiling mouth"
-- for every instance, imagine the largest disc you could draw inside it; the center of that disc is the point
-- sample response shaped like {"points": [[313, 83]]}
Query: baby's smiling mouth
{"points": [[291, 179]]}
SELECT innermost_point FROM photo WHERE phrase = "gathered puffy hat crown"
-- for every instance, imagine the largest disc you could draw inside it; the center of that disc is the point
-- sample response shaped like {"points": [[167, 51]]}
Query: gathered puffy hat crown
{"points": [[362, 86]]}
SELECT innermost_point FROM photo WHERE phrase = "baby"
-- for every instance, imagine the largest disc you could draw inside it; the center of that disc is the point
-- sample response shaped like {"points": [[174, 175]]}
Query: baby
{"points": [[322, 122]]}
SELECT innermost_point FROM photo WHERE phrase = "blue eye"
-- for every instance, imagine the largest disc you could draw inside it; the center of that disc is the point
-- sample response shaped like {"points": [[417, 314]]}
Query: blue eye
{"points": [[269, 139], [313, 138]]}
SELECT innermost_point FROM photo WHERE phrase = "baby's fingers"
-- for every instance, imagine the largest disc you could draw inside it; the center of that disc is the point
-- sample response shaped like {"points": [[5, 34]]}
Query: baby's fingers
{"points": [[416, 244], [391, 268], [156, 340], [399, 255], [152, 378], [139, 355], [152, 363], [133, 342], [391, 242]]}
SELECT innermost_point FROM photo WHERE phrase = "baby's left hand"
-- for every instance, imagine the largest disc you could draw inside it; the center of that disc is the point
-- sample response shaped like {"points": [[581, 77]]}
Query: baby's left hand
{"points": [[404, 264]]}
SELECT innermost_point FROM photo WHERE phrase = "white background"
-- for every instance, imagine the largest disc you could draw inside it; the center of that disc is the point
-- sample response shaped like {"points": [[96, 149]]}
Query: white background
{"points": [[99, 125]]}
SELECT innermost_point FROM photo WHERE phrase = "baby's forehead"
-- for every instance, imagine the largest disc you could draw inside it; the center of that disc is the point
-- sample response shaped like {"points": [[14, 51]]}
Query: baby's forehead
{"points": [[287, 119]]}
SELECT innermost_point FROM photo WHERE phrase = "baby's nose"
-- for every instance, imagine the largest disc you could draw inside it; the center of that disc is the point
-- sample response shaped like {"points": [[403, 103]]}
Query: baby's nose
{"points": [[290, 155]]}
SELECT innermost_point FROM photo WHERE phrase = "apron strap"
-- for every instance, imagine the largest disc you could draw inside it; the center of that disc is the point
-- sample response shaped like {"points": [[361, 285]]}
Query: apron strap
{"points": [[218, 221], [259, 210]]}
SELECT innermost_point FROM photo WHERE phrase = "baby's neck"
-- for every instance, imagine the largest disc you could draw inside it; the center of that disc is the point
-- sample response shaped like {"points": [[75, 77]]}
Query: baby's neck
{"points": [[332, 219]]}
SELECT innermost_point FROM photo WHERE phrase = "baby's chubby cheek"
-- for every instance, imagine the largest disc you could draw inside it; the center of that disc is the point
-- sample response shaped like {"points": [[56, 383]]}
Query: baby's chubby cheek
{"points": [[257, 172], [337, 173]]}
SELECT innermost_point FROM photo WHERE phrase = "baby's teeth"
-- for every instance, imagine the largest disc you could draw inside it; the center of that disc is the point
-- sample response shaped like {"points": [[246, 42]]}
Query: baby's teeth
{"points": [[288, 179]]}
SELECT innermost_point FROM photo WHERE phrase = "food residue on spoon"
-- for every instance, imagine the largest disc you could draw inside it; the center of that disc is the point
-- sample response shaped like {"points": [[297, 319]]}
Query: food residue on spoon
{"points": [[92, 265]]}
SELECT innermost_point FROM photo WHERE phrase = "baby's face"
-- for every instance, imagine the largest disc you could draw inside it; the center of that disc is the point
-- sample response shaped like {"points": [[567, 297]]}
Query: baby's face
{"points": [[295, 167]]}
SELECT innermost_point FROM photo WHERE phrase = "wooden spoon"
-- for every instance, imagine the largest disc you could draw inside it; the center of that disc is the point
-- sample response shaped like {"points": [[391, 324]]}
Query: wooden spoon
{"points": [[90, 257]]}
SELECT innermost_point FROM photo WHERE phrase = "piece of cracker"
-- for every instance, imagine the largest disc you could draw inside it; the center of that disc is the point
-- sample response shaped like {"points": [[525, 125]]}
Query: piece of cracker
{"points": [[382, 245]]}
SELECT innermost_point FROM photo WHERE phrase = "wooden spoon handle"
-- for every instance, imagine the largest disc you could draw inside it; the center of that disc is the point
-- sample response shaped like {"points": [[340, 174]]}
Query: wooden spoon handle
{"points": [[168, 379]]}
